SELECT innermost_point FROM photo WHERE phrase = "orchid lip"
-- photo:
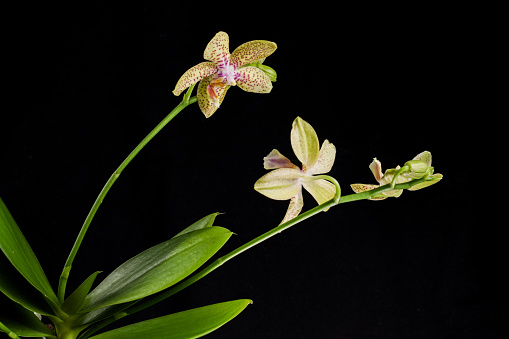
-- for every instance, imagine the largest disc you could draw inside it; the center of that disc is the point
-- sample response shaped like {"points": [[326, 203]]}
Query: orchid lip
{"points": [[228, 74]]}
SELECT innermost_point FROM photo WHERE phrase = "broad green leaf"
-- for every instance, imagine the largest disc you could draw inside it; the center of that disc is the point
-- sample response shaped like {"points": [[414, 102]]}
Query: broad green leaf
{"points": [[20, 254], [22, 321], [194, 323], [202, 223], [157, 268], [14, 286], [73, 303]]}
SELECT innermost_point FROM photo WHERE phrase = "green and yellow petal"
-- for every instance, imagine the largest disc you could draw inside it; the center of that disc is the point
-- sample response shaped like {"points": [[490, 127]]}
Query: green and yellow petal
{"points": [[193, 75], [280, 184], [207, 105], [305, 143], [321, 190], [252, 79], [296, 204], [218, 50], [424, 156], [431, 181], [251, 51], [325, 159]]}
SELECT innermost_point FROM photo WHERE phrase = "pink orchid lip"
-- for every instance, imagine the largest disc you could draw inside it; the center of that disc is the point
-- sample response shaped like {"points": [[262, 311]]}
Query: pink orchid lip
{"points": [[228, 74]]}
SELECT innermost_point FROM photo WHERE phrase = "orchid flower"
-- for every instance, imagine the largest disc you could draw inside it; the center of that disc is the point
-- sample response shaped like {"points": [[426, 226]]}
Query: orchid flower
{"points": [[223, 70], [286, 180], [414, 169]]}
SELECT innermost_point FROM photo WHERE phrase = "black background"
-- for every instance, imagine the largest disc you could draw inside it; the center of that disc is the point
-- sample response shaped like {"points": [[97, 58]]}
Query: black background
{"points": [[86, 82]]}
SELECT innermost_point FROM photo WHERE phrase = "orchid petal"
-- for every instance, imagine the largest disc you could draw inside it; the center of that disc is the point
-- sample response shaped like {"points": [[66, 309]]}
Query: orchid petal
{"points": [[193, 75], [251, 51], [389, 175], [305, 143], [209, 104], [359, 188], [393, 193], [252, 79], [322, 190], [277, 160], [325, 159], [218, 50], [296, 204], [424, 156], [387, 179], [434, 179], [280, 184], [376, 169]]}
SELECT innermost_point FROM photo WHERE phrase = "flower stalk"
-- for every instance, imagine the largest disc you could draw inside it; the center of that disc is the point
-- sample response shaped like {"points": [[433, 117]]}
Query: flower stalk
{"points": [[336, 200], [187, 100]]}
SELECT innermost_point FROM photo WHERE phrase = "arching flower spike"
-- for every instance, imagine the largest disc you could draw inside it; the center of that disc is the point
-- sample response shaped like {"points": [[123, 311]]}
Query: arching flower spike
{"points": [[286, 180], [223, 70]]}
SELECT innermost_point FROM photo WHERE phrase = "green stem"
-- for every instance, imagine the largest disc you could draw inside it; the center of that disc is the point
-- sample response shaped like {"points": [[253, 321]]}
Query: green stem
{"points": [[396, 175], [143, 304], [8, 331], [68, 264]]}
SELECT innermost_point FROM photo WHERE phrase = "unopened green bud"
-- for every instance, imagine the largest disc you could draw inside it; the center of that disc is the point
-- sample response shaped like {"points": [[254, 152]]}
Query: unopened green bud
{"points": [[417, 169], [271, 73]]}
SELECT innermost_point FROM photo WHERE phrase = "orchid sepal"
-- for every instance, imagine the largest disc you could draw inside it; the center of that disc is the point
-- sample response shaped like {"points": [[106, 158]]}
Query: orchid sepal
{"points": [[305, 143]]}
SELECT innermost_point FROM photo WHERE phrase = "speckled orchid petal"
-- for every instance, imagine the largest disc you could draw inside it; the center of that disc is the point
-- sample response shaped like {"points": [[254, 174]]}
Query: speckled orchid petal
{"points": [[208, 104], [359, 188], [296, 204], [321, 190], [325, 159], [277, 160], [424, 156], [376, 169], [252, 79], [251, 51], [304, 143], [193, 75], [218, 50], [280, 184]]}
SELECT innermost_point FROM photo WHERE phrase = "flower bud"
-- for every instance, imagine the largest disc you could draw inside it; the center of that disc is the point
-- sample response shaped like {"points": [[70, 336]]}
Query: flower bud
{"points": [[417, 170], [271, 73]]}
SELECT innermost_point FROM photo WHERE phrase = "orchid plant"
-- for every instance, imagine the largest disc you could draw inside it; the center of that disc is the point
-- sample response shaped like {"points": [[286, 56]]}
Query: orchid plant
{"points": [[167, 268]]}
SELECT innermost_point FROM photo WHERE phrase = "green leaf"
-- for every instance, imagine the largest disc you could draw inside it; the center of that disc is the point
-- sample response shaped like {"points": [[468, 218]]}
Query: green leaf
{"points": [[20, 254], [101, 314], [22, 321], [194, 323], [200, 224], [73, 303], [14, 286], [157, 268]]}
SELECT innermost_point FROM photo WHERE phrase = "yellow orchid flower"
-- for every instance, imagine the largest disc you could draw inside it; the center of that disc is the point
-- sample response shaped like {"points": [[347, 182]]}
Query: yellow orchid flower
{"points": [[223, 70], [417, 168], [286, 180]]}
